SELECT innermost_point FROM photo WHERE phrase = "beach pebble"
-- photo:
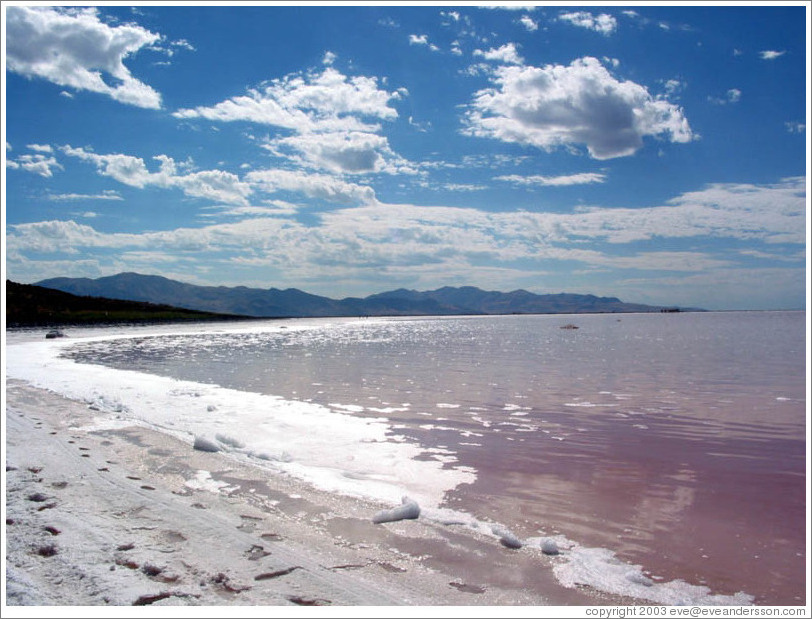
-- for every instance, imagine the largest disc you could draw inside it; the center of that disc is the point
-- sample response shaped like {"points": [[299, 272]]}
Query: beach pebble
{"points": [[204, 444], [549, 547], [506, 537], [409, 510]]}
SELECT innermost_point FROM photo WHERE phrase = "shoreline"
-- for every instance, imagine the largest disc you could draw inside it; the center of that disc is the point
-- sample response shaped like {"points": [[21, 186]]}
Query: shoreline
{"points": [[132, 516]]}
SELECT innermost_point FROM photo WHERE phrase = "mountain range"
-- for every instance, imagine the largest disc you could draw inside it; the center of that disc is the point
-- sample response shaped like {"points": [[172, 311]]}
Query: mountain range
{"points": [[291, 302]]}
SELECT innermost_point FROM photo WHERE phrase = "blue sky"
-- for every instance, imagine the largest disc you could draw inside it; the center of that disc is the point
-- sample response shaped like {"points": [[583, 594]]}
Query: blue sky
{"points": [[654, 153]]}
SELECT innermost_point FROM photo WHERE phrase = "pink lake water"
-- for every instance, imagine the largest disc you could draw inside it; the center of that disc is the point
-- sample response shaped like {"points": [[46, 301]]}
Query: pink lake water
{"points": [[677, 441]]}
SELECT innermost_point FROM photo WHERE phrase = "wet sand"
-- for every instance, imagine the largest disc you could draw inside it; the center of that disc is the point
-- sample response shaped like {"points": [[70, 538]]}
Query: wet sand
{"points": [[136, 517]]}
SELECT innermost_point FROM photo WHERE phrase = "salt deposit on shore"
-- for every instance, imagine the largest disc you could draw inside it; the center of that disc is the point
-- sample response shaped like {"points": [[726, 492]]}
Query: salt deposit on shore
{"points": [[131, 516]]}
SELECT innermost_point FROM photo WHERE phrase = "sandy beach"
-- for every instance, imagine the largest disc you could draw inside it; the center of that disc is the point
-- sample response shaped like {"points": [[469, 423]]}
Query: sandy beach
{"points": [[134, 517]]}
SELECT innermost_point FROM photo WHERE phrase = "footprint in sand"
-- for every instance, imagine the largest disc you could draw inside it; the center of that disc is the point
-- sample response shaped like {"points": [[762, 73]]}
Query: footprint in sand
{"points": [[173, 537], [390, 568], [49, 550], [271, 537], [224, 582], [256, 552], [146, 600], [301, 601], [465, 588], [277, 573], [248, 523], [159, 573], [128, 563]]}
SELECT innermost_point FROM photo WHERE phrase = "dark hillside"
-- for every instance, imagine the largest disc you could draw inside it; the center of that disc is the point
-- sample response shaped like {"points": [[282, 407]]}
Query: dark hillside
{"points": [[28, 305]]}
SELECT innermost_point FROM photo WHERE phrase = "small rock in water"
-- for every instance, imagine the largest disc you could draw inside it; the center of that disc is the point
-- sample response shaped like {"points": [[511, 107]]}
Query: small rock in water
{"points": [[506, 538], [409, 510], [204, 444], [549, 547]]}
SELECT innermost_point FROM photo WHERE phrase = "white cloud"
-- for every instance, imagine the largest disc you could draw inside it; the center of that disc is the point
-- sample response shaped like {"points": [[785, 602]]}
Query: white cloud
{"points": [[673, 87], [320, 186], [769, 213], [506, 54], [731, 96], [36, 164], [329, 115], [170, 47], [64, 197], [528, 23], [73, 48], [603, 23], [351, 152], [184, 44], [41, 148], [561, 106], [422, 39], [326, 101], [509, 7], [225, 188], [214, 185], [583, 178], [795, 127], [770, 55], [54, 236]]}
